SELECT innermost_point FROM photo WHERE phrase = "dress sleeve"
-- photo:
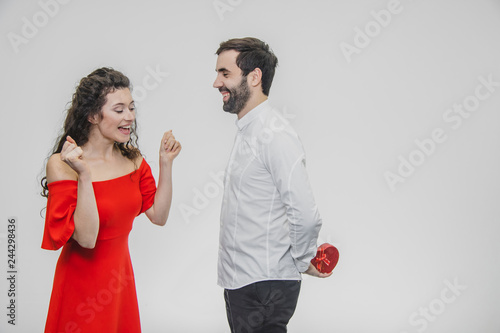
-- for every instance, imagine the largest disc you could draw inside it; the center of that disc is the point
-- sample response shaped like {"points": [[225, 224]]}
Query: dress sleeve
{"points": [[59, 218], [147, 186]]}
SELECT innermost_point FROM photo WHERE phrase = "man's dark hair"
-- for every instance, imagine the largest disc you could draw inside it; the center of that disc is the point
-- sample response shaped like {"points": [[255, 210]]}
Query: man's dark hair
{"points": [[254, 53]]}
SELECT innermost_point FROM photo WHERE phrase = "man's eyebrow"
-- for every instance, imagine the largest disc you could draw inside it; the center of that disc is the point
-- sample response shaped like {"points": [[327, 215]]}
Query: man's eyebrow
{"points": [[223, 69]]}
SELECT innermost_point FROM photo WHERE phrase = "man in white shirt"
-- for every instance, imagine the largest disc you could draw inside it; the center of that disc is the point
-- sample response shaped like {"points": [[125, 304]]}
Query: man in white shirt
{"points": [[269, 221]]}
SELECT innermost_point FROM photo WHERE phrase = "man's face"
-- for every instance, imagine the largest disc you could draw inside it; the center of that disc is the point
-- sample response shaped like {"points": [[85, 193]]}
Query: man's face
{"points": [[230, 82]]}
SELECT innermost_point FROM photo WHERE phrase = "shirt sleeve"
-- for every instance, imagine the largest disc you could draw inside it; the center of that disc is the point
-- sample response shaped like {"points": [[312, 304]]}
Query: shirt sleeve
{"points": [[285, 160], [59, 218], [147, 186]]}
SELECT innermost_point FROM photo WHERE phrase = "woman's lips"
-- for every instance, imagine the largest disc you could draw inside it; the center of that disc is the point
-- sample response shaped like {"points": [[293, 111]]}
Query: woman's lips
{"points": [[124, 130]]}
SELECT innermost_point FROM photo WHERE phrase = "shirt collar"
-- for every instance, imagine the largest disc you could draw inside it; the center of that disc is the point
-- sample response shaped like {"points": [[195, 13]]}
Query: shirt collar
{"points": [[251, 115]]}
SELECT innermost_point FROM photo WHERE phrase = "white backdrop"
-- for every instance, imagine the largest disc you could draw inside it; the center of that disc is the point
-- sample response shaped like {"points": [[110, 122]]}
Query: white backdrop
{"points": [[396, 103]]}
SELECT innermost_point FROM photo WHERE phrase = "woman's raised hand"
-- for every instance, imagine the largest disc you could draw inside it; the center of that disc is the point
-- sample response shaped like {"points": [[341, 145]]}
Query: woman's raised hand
{"points": [[169, 148], [72, 155]]}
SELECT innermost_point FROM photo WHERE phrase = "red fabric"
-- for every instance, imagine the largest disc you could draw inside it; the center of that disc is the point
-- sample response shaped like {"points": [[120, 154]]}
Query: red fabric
{"points": [[326, 258], [94, 289]]}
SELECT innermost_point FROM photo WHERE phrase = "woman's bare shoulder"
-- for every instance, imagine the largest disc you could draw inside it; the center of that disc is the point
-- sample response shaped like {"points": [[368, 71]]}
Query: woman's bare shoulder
{"points": [[138, 161], [58, 170]]}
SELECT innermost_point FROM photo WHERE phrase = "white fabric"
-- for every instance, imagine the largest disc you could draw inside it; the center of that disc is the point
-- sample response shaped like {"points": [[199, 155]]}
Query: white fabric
{"points": [[269, 220]]}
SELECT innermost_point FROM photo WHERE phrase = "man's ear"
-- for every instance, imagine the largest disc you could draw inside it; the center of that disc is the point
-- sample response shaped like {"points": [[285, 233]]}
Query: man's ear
{"points": [[255, 77]]}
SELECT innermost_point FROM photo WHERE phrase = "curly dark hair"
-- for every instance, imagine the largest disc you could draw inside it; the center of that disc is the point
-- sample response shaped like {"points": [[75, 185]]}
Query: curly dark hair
{"points": [[87, 101]]}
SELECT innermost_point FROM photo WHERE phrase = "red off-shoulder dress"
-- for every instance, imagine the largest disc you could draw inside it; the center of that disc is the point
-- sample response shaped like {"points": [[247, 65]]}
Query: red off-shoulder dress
{"points": [[94, 289]]}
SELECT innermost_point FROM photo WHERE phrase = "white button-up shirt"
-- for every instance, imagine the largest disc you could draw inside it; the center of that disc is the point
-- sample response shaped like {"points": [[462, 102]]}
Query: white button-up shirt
{"points": [[269, 221]]}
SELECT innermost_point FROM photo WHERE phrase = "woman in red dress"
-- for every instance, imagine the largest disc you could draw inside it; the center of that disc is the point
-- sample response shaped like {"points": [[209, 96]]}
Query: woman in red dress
{"points": [[96, 183]]}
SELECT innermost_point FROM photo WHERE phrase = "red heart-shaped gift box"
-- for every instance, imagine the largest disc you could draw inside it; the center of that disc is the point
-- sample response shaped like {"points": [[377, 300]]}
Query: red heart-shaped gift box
{"points": [[326, 258]]}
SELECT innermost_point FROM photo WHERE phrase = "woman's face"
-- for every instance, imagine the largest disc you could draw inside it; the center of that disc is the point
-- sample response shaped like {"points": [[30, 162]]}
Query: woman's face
{"points": [[117, 117]]}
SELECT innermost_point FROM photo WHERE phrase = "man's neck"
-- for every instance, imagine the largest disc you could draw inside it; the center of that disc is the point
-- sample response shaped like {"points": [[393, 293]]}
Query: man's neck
{"points": [[252, 104]]}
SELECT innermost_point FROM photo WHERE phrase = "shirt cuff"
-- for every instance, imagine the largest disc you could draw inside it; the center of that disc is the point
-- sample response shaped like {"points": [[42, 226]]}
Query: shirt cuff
{"points": [[302, 266]]}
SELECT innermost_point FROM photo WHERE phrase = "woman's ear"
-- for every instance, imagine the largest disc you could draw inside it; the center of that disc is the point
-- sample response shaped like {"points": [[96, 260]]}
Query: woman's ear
{"points": [[92, 119]]}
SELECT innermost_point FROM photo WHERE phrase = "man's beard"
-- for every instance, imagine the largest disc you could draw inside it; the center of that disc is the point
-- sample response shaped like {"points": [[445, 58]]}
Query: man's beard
{"points": [[238, 97]]}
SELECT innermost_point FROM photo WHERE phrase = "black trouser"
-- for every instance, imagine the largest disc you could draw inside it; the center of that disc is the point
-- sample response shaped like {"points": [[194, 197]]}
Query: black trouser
{"points": [[260, 307]]}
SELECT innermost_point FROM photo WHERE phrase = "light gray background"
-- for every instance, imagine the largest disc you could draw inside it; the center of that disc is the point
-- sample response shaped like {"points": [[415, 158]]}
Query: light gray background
{"points": [[399, 248]]}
